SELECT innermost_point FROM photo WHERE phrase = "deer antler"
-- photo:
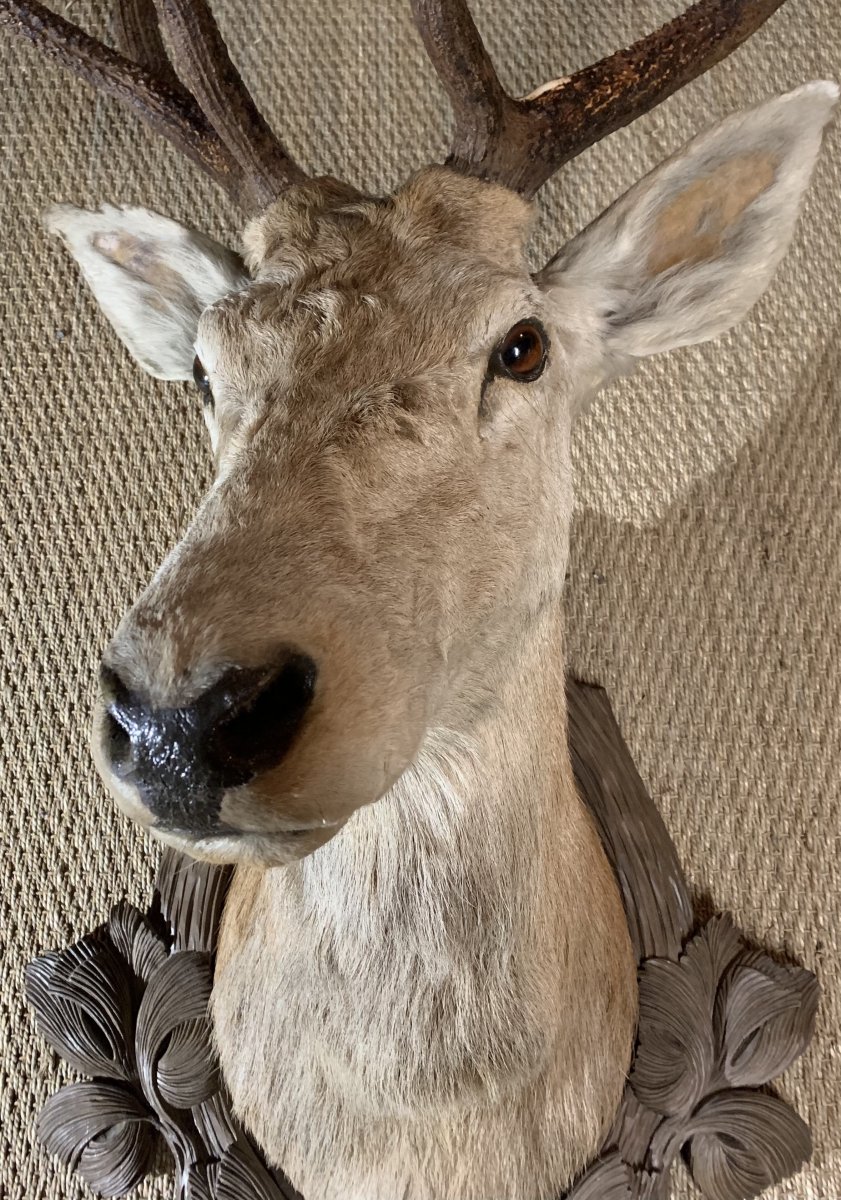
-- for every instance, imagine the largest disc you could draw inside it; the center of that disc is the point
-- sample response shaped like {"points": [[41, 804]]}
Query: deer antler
{"points": [[521, 142], [202, 61], [137, 34], [215, 122]]}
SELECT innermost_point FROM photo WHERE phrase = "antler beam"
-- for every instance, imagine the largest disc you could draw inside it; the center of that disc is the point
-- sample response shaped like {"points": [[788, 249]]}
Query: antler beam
{"points": [[201, 59], [521, 142], [217, 126]]}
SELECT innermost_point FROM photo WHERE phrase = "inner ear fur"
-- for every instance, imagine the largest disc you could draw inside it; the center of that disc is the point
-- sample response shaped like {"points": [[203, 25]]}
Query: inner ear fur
{"points": [[693, 227], [684, 255]]}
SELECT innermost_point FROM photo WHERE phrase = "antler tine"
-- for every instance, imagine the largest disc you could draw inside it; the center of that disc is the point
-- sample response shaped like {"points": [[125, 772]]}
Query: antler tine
{"points": [[522, 142], [167, 108], [229, 140], [137, 34], [602, 98], [481, 107], [202, 61]]}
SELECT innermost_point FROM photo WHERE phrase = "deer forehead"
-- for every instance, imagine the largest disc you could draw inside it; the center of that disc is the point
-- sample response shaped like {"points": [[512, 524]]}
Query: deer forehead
{"points": [[365, 330], [362, 291], [436, 214]]}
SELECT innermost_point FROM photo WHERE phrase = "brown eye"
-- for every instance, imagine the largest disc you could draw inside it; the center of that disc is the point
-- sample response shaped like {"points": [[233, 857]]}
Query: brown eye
{"points": [[522, 352], [202, 380]]}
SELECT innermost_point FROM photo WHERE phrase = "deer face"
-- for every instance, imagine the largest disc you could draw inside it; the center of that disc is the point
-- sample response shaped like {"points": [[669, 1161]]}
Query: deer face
{"points": [[390, 396], [389, 508]]}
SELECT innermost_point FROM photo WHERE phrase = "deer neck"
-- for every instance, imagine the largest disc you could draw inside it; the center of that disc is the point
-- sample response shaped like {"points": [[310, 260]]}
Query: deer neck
{"points": [[450, 977], [486, 823]]}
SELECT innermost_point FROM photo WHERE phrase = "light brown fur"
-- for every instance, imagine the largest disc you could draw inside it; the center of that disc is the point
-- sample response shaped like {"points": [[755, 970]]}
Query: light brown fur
{"points": [[447, 1030], [438, 1002]]}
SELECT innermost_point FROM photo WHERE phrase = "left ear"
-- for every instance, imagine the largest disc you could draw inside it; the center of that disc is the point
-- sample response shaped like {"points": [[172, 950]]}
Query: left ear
{"points": [[153, 278], [684, 255]]}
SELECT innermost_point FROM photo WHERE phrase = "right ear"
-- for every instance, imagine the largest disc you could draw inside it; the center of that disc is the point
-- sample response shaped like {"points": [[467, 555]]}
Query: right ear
{"points": [[152, 277], [683, 256]]}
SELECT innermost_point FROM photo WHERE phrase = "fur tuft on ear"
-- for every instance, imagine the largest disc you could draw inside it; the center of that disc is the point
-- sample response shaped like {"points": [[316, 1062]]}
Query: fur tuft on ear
{"points": [[684, 255], [151, 276]]}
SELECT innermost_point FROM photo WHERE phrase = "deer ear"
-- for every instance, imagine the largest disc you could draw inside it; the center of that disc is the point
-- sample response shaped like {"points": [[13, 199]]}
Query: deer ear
{"points": [[152, 278], [684, 255]]}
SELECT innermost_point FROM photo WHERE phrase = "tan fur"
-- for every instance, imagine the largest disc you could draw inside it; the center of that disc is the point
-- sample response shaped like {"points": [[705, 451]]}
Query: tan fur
{"points": [[425, 987], [691, 228], [351, 371], [446, 1029]]}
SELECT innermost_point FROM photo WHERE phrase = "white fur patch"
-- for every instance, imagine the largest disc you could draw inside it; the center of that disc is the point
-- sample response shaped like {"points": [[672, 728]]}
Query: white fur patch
{"points": [[151, 276]]}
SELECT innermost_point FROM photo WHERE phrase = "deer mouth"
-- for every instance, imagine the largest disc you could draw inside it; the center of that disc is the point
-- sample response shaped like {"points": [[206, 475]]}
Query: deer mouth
{"points": [[251, 848], [203, 817]]}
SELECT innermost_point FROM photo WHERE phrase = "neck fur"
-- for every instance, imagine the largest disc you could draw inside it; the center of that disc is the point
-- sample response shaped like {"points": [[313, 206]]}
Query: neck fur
{"points": [[484, 805], [450, 977], [470, 867]]}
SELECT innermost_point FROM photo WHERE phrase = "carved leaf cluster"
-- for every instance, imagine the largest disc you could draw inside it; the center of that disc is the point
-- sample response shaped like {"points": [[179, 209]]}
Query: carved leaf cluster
{"points": [[715, 1025], [128, 1006]]}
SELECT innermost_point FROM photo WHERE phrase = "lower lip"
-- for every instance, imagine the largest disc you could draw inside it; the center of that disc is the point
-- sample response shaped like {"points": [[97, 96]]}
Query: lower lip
{"points": [[263, 850], [207, 840], [297, 832]]}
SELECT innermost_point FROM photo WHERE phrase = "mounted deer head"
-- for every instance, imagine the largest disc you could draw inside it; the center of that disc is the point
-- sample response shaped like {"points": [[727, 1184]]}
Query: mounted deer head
{"points": [[357, 644], [390, 395]]}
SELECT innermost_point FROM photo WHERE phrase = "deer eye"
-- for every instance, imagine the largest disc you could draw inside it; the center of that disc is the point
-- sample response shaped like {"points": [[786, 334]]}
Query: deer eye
{"points": [[202, 380], [521, 354]]}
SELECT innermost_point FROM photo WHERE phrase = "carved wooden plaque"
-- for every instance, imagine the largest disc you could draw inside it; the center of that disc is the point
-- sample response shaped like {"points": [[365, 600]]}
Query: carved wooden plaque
{"points": [[127, 1007]]}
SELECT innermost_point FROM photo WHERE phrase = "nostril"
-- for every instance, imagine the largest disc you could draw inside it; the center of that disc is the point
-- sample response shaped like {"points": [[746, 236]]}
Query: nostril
{"points": [[265, 717], [182, 758], [118, 724], [117, 740]]}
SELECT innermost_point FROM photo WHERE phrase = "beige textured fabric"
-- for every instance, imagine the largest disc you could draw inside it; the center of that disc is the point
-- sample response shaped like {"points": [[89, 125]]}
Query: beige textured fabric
{"points": [[706, 568]]}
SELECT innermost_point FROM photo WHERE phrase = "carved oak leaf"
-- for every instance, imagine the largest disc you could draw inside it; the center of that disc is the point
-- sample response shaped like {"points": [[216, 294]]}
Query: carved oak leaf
{"points": [[677, 1047], [766, 1016], [743, 1142], [174, 1059], [675, 1052], [83, 1003], [191, 896], [198, 1186], [215, 1122], [242, 1174], [101, 1130], [633, 1128], [136, 941], [187, 1070], [608, 1179]]}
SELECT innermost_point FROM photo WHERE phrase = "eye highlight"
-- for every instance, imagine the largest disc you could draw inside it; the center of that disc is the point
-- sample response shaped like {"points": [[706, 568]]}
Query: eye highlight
{"points": [[522, 353], [202, 380]]}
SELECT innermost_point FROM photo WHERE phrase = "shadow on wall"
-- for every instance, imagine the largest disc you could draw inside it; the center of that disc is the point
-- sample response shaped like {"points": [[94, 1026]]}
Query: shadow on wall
{"points": [[715, 631]]}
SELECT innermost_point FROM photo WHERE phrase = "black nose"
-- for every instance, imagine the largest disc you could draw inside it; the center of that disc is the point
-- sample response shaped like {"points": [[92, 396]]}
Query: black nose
{"points": [[182, 759]]}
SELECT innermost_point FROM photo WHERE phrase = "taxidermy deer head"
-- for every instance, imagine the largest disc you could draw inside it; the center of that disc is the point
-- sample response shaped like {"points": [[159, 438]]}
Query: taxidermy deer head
{"points": [[390, 395]]}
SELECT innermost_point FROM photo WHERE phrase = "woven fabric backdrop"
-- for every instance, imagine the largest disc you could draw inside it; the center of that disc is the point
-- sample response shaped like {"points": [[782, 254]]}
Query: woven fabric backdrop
{"points": [[706, 570]]}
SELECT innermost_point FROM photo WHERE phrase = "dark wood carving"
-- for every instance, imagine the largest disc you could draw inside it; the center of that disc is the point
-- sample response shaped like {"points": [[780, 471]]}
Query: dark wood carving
{"points": [[127, 1007]]}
